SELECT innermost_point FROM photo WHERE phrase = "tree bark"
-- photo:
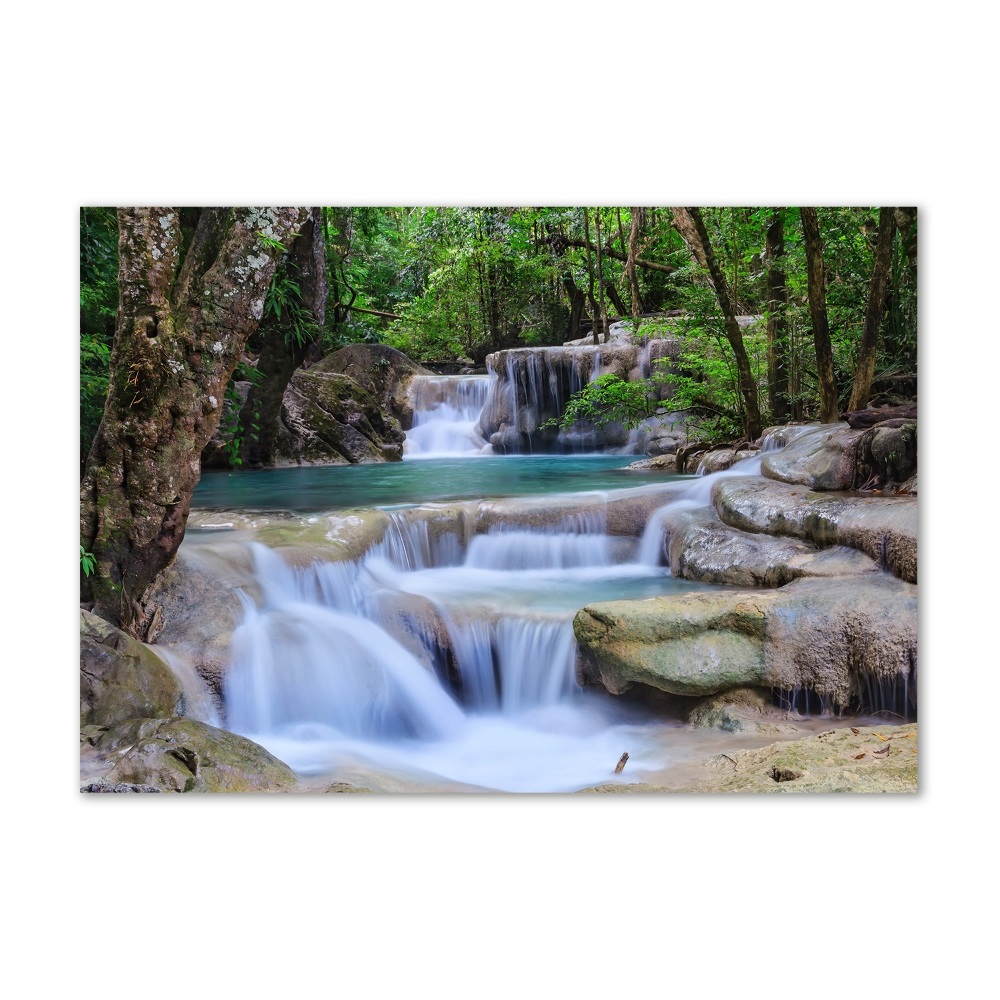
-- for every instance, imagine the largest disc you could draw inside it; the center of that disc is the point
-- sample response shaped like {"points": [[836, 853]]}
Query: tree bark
{"points": [[630, 261], [600, 277], [281, 351], [692, 224], [777, 303], [179, 333], [829, 410], [595, 310], [873, 314]]}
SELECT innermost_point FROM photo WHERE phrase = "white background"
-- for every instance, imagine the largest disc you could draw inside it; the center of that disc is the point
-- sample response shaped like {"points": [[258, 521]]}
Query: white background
{"points": [[623, 896]]}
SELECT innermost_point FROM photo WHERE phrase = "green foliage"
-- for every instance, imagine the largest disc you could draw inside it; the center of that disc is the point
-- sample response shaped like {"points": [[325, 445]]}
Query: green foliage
{"points": [[283, 303], [87, 561], [230, 426], [98, 307], [270, 242], [608, 399]]}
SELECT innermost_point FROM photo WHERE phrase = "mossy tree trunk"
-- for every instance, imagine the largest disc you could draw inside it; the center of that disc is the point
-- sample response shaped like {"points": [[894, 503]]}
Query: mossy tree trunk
{"points": [[284, 340], [185, 310], [829, 408]]}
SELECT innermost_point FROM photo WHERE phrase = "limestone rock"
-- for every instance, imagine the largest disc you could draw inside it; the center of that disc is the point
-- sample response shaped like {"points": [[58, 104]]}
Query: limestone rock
{"points": [[821, 457], [832, 636], [121, 678], [702, 547], [740, 710], [382, 371], [181, 755], [883, 527], [329, 419]]}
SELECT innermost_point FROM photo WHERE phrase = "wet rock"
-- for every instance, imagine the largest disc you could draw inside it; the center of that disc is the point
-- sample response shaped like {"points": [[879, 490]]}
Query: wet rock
{"points": [[822, 457], [661, 463], [702, 547], [534, 385], [198, 595], [181, 755], [740, 710], [329, 419], [121, 678], [717, 461], [831, 636], [883, 527]]}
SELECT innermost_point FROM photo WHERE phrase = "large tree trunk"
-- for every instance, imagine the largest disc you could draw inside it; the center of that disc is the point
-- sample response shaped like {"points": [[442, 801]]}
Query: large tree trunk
{"points": [[873, 314], [577, 305], [282, 347], [179, 333], [829, 410], [777, 302], [692, 227]]}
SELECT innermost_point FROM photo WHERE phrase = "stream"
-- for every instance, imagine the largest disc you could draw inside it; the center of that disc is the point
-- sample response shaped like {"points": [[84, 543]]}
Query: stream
{"points": [[444, 659]]}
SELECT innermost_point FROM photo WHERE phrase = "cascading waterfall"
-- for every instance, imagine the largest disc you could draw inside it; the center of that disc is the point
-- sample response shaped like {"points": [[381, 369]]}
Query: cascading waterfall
{"points": [[316, 678], [446, 411]]}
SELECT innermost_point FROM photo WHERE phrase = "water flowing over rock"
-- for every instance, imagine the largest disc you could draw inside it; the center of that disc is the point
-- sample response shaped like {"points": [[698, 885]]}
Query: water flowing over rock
{"points": [[837, 457], [533, 386], [445, 415]]}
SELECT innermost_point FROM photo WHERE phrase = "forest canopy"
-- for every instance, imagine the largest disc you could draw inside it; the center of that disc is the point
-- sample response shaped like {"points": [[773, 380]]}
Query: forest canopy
{"points": [[451, 285]]}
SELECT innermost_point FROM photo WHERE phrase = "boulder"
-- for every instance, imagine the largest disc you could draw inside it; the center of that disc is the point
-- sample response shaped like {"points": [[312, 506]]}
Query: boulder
{"points": [[883, 527], [382, 371], [702, 547], [839, 457], [198, 595], [721, 459], [121, 678], [740, 710], [329, 419], [182, 755], [659, 463], [836, 637], [822, 457]]}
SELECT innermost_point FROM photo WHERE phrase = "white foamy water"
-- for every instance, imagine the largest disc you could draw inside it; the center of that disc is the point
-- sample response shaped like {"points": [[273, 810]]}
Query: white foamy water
{"points": [[446, 411]]}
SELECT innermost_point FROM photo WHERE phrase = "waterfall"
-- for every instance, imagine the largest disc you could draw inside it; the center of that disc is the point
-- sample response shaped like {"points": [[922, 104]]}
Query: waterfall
{"points": [[446, 411], [318, 679], [694, 493]]}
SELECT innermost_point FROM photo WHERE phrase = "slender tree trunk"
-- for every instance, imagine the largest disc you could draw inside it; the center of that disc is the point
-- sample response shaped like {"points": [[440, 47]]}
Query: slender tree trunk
{"points": [[281, 351], [633, 284], [577, 304], [600, 277], [873, 314], [179, 333], [777, 303], [590, 276], [692, 227], [829, 410], [616, 300]]}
